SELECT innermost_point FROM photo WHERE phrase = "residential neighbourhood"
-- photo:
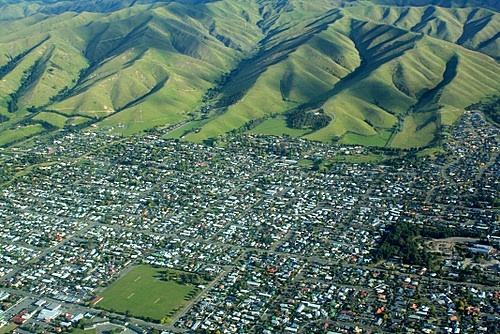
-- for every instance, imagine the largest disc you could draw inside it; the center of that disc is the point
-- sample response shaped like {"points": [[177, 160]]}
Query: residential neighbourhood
{"points": [[291, 236]]}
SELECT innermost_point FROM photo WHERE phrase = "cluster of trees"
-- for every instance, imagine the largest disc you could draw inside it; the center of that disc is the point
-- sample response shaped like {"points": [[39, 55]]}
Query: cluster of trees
{"points": [[301, 119], [63, 92], [183, 277], [12, 102], [227, 101], [402, 241], [30, 121], [442, 232], [33, 109], [253, 123], [215, 91], [212, 92]]}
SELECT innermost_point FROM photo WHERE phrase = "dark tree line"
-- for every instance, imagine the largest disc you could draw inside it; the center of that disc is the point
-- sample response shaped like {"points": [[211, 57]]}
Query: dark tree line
{"points": [[252, 124], [30, 121], [14, 61], [442, 232], [12, 103], [11, 64], [29, 76]]}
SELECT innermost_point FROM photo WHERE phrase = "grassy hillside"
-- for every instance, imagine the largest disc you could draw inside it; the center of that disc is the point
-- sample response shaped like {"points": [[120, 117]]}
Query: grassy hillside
{"points": [[385, 72]]}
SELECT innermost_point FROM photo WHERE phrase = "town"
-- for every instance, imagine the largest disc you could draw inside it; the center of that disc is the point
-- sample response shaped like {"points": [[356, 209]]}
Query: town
{"points": [[284, 235]]}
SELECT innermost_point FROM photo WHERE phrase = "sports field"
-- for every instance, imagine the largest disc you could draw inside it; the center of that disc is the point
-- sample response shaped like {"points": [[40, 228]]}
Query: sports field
{"points": [[141, 293]]}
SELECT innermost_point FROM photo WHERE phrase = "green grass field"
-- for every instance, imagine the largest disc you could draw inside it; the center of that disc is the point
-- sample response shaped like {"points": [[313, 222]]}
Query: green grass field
{"points": [[52, 118], [413, 135], [77, 120], [277, 127], [306, 162], [8, 329], [357, 158], [356, 139], [143, 295], [10, 136]]}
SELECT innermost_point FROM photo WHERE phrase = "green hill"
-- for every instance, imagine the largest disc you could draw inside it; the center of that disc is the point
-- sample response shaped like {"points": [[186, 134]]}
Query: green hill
{"points": [[383, 72]]}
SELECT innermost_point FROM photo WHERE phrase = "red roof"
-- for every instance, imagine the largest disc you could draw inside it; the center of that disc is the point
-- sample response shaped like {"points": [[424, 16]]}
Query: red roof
{"points": [[20, 317], [96, 300]]}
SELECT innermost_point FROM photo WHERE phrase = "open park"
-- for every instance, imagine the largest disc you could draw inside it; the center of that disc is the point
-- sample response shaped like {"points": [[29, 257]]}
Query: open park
{"points": [[149, 293]]}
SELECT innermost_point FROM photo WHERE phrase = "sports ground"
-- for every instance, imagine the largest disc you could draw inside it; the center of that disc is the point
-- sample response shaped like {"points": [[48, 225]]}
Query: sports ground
{"points": [[141, 293]]}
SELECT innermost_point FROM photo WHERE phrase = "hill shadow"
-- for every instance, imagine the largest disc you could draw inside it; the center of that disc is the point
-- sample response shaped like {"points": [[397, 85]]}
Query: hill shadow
{"points": [[372, 57], [274, 48]]}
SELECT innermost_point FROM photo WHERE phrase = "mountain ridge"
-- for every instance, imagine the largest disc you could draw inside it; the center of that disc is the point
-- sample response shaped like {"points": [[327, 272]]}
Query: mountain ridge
{"points": [[129, 66]]}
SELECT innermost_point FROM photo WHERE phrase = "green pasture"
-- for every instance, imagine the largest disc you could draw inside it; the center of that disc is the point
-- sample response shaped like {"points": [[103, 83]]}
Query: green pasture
{"points": [[10, 136], [277, 127]]}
